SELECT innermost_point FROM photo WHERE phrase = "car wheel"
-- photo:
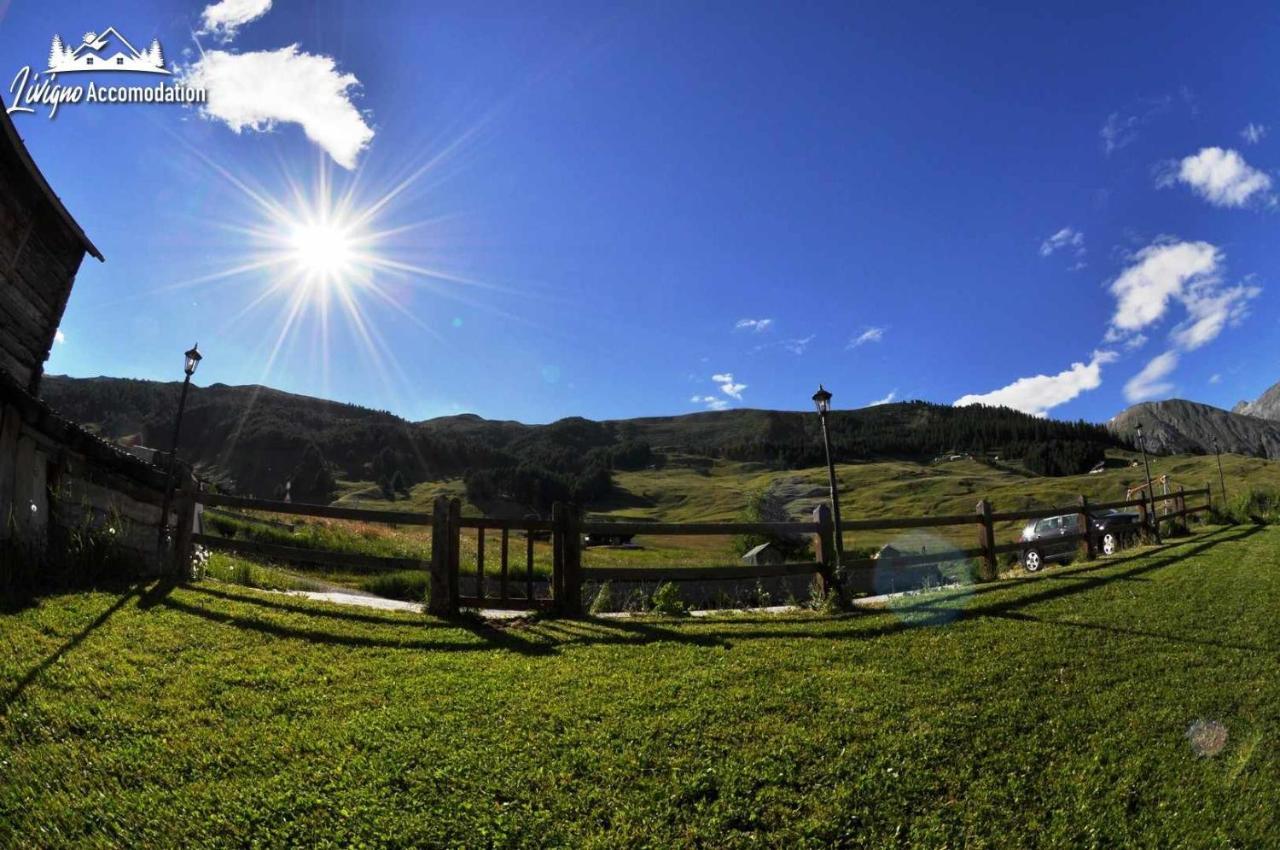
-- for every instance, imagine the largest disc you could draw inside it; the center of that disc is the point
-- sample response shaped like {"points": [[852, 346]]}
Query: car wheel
{"points": [[1110, 543], [1032, 561]]}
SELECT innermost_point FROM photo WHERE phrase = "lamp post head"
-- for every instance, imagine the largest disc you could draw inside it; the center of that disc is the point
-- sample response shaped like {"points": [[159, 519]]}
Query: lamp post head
{"points": [[822, 400], [193, 360]]}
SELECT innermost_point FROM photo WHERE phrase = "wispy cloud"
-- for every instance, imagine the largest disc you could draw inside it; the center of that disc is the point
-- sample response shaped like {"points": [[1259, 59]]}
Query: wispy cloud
{"points": [[1221, 177], [755, 325], [728, 385], [892, 394], [868, 335], [1215, 378], [1253, 133], [1118, 131], [1151, 381], [1039, 394], [712, 402], [222, 20], [1068, 238], [798, 346], [59, 337], [1121, 127]]}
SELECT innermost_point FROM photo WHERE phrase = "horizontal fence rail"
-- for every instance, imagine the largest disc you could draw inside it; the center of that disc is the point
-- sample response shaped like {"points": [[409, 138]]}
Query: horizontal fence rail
{"points": [[517, 584], [321, 511]]}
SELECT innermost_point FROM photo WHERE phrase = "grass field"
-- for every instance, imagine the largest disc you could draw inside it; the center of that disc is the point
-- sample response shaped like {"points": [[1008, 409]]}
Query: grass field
{"points": [[701, 490], [1051, 711]]}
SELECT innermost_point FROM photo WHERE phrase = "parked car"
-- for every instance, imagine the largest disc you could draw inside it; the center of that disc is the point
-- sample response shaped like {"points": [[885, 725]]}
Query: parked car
{"points": [[1050, 538]]}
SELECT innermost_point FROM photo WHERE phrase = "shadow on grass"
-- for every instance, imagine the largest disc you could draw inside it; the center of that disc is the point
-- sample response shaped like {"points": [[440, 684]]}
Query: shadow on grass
{"points": [[542, 635], [148, 596]]}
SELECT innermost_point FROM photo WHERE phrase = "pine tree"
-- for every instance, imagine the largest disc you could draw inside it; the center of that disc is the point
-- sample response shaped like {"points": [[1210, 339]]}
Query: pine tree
{"points": [[56, 52], [154, 54]]}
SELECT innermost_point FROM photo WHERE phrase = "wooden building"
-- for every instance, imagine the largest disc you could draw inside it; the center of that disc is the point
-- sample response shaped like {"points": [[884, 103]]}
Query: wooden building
{"points": [[58, 482]]}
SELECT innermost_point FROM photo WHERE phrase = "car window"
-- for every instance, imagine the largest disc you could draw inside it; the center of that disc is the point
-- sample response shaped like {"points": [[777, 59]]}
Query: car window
{"points": [[1044, 526]]}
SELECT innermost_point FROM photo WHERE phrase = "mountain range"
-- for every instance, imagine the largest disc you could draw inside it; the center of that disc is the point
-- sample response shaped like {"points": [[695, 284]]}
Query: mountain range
{"points": [[1180, 426], [253, 439]]}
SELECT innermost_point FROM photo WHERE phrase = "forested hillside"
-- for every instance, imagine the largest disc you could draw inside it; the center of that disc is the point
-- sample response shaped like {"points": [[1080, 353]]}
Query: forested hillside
{"points": [[253, 439]]}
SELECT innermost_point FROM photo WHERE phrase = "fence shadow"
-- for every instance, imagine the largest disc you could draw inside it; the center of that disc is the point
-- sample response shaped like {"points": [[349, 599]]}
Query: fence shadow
{"points": [[148, 595], [541, 635]]}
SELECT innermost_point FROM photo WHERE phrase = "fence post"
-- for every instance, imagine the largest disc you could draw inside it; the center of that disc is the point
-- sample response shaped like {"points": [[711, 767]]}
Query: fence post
{"points": [[1208, 493], [824, 547], [1082, 525], [182, 536], [987, 540], [572, 562], [454, 549], [1182, 503], [1143, 521], [438, 594], [558, 537]]}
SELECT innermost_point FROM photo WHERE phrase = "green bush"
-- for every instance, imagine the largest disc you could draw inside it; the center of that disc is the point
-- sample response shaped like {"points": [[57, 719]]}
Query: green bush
{"points": [[1260, 506], [409, 585], [760, 509], [666, 600], [602, 603]]}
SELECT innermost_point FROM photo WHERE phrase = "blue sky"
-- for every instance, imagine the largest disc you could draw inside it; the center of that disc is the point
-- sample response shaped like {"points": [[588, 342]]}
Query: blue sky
{"points": [[626, 210]]}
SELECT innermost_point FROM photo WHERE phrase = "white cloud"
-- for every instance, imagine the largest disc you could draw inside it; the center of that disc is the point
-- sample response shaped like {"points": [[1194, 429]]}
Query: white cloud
{"points": [[1039, 394], [1221, 177], [712, 402], [59, 337], [1209, 312], [257, 91], [1161, 272], [869, 335], [1166, 273], [1215, 378], [728, 385], [893, 393], [797, 346], [1253, 133], [222, 19], [757, 325], [1066, 238], [1150, 382]]}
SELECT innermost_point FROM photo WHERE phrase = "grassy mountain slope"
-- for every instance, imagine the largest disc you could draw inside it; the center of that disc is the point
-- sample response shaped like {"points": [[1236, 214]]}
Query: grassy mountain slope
{"points": [[253, 439]]}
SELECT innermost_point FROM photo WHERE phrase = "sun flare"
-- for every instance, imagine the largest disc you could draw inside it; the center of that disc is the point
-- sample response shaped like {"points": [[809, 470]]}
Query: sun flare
{"points": [[324, 252]]}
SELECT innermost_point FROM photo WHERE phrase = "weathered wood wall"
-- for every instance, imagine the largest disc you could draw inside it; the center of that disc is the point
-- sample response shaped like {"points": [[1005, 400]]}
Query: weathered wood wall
{"points": [[41, 249]]}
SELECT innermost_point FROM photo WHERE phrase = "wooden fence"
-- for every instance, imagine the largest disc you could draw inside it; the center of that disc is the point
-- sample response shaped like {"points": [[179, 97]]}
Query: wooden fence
{"points": [[516, 587]]}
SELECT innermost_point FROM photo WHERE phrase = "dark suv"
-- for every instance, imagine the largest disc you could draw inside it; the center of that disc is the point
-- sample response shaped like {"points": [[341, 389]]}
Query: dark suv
{"points": [[1050, 539]]}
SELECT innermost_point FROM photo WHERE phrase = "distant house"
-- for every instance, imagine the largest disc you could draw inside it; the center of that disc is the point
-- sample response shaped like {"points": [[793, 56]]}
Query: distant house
{"points": [[765, 553]]}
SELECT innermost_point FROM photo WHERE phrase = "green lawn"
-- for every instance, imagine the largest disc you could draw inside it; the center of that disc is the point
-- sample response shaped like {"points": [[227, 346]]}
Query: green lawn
{"points": [[1050, 711]]}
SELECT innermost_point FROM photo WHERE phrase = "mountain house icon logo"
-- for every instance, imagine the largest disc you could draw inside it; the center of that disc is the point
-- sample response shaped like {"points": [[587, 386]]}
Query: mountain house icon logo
{"points": [[108, 51]]}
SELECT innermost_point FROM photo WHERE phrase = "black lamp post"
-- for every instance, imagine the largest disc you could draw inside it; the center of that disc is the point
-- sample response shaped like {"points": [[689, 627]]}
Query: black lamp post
{"points": [[1151, 493], [822, 400], [1222, 479], [192, 361]]}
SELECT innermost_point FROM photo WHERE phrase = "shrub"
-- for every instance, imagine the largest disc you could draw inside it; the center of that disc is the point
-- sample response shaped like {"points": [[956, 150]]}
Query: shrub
{"points": [[408, 585], [1256, 505], [602, 603], [761, 509], [666, 600]]}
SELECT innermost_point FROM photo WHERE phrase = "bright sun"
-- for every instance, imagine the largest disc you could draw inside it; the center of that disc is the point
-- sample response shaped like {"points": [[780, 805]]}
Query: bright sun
{"points": [[323, 252]]}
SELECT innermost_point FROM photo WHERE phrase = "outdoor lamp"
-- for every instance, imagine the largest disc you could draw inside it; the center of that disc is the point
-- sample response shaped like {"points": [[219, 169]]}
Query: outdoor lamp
{"points": [[822, 400], [193, 360]]}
